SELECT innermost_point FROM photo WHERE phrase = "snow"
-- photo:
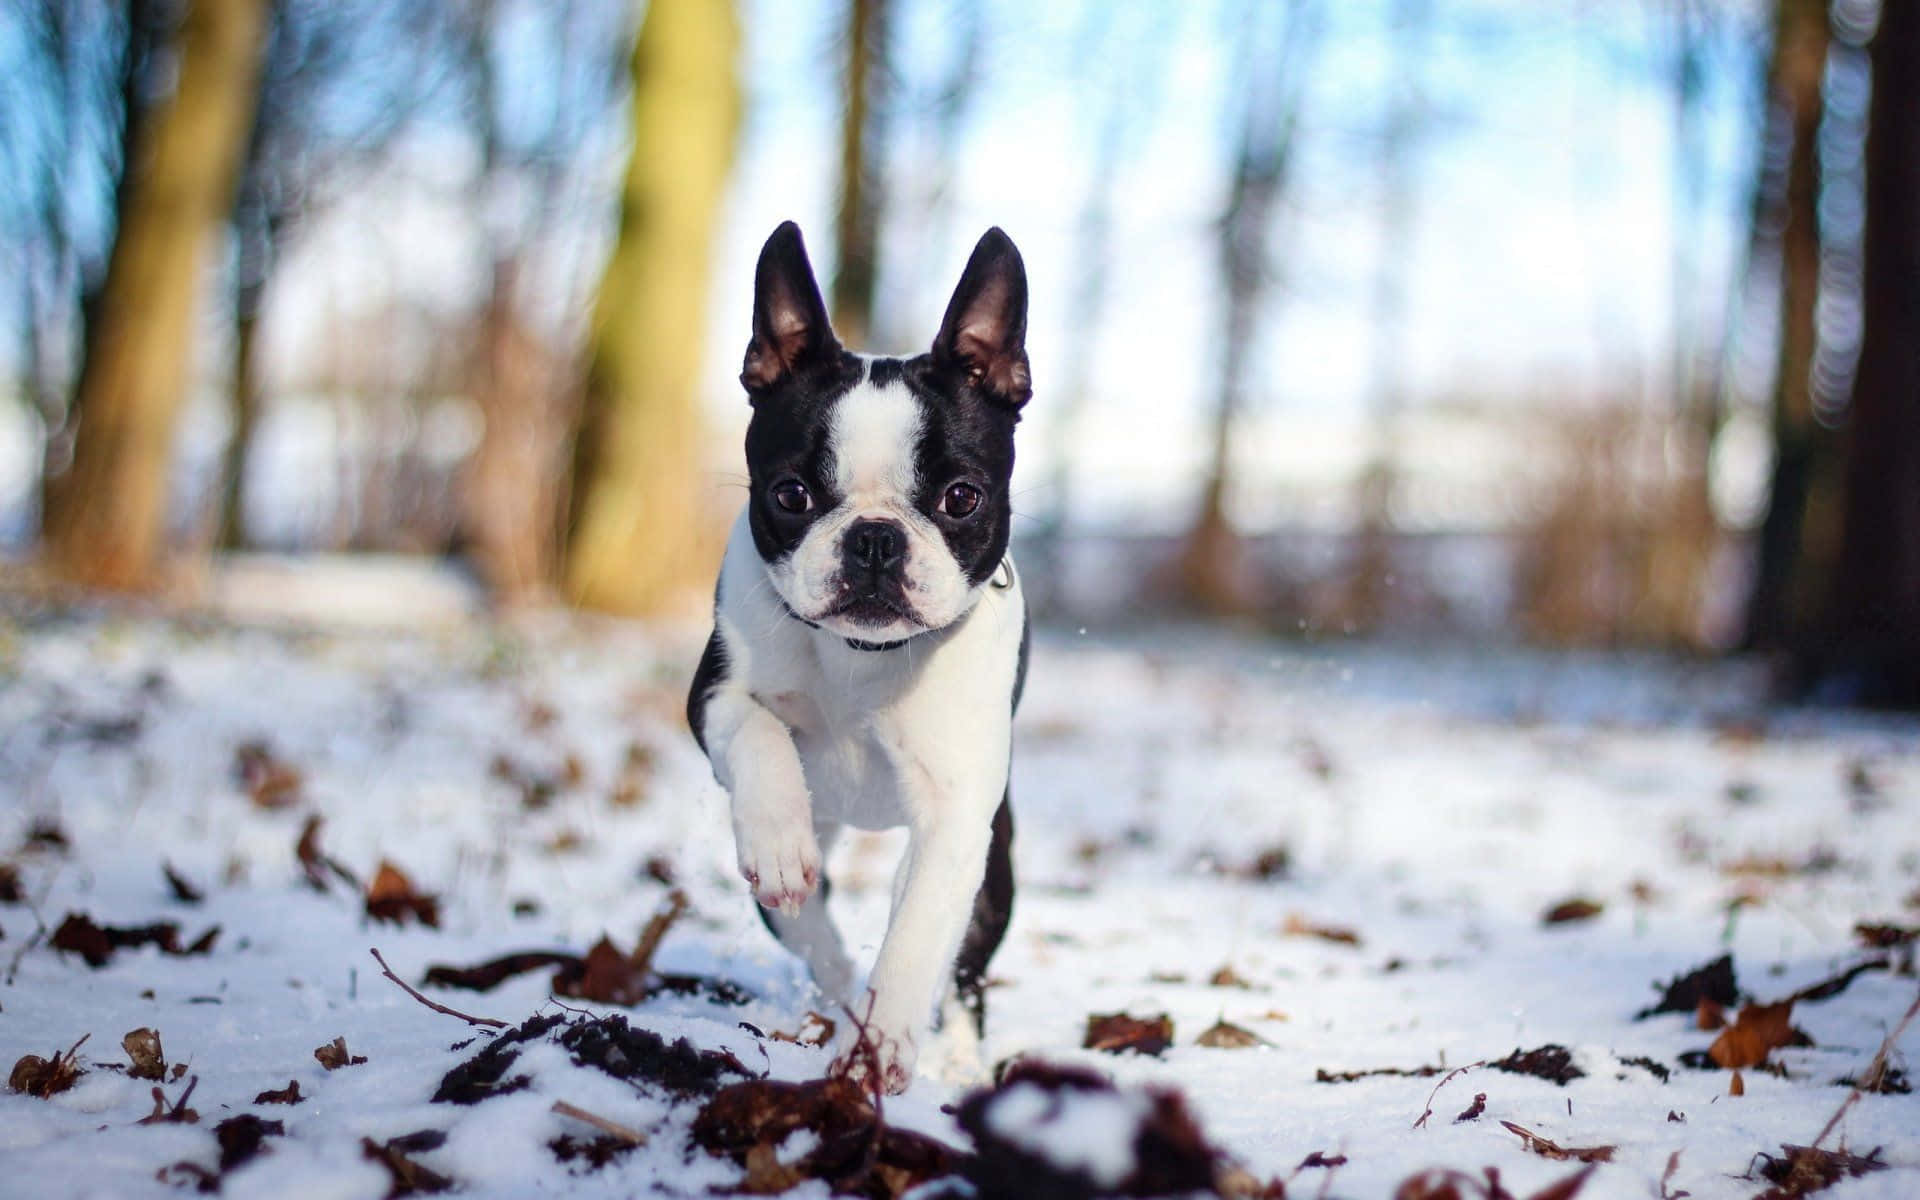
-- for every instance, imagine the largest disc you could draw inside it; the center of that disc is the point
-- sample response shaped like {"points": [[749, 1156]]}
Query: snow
{"points": [[1086, 1131], [1435, 803]]}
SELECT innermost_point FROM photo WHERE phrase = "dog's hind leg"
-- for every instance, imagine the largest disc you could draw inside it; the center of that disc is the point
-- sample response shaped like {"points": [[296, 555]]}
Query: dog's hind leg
{"points": [[810, 933], [992, 909]]}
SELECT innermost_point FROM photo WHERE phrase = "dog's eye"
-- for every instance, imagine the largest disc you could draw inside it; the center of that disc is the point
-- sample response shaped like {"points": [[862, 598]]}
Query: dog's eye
{"points": [[792, 496], [961, 500]]}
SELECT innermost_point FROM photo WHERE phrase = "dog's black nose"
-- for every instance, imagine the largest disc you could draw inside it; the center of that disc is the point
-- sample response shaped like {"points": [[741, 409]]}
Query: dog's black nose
{"points": [[875, 546]]}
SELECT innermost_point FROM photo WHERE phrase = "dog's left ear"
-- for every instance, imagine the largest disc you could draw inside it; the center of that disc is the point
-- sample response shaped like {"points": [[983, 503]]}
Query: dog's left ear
{"points": [[790, 326], [984, 335]]}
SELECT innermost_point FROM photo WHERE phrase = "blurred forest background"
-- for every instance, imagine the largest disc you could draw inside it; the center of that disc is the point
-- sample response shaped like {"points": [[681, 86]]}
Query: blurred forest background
{"points": [[1578, 321]]}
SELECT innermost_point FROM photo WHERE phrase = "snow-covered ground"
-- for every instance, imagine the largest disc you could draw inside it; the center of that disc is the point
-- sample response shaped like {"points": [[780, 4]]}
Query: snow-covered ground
{"points": [[1345, 851]]}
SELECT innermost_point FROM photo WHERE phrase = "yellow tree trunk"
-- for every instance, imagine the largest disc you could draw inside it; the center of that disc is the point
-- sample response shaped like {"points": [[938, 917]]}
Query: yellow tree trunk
{"points": [[642, 527], [106, 518]]}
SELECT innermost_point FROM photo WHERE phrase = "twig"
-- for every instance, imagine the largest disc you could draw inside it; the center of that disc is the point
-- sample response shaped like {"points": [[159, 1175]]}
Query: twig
{"points": [[632, 1137], [1444, 1081], [1875, 1070], [39, 928], [489, 1022], [656, 929]]}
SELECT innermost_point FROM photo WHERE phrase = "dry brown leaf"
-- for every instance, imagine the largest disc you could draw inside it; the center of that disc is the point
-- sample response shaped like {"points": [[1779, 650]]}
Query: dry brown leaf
{"points": [[1576, 909], [268, 781], [334, 1056], [1710, 1015], [1756, 1032], [1737, 1086], [1226, 1036], [1118, 1032], [44, 1077], [815, 1030], [1228, 977], [392, 897], [286, 1095], [1548, 1148], [1297, 925], [1804, 1170], [318, 866], [143, 1047], [174, 1113]]}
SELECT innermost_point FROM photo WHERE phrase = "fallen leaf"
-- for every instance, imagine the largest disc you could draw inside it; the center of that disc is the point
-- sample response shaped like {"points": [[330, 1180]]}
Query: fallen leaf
{"points": [[1828, 988], [815, 1030], [334, 1056], [1736, 1086], [1804, 1170], [286, 1095], [268, 781], [174, 1113], [1118, 1032], [491, 974], [1713, 981], [1569, 911], [183, 891], [1885, 936], [241, 1138], [143, 1047], [1473, 1111], [1322, 1075], [96, 944], [1547, 1148], [1227, 977], [317, 865], [392, 897], [1297, 925], [1225, 1036], [1551, 1062], [406, 1176], [537, 789], [44, 1077], [1709, 1016], [1756, 1032]]}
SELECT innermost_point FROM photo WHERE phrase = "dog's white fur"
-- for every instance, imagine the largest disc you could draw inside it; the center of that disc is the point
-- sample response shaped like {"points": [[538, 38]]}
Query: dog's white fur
{"points": [[809, 734], [873, 433]]}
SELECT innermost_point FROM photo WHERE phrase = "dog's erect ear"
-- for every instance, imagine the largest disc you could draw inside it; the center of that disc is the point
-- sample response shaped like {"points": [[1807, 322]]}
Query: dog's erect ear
{"points": [[790, 324], [984, 334]]}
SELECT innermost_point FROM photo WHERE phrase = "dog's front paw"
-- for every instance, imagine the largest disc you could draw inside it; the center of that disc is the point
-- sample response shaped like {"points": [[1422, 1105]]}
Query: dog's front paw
{"points": [[884, 1058], [779, 856]]}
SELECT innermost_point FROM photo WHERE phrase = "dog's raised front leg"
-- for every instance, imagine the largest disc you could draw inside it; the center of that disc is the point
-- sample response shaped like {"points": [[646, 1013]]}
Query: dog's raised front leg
{"points": [[754, 758]]}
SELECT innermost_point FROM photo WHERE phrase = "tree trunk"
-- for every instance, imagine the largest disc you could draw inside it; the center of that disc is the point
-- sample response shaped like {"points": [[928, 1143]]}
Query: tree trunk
{"points": [[1211, 572], [244, 408], [107, 518], [510, 487], [1798, 538], [856, 222], [1875, 596], [641, 527]]}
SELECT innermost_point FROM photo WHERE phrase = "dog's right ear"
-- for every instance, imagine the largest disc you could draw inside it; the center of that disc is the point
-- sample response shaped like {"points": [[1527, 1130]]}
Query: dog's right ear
{"points": [[790, 326]]}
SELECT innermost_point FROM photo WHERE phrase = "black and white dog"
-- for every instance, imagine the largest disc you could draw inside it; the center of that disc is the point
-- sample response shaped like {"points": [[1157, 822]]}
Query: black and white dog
{"points": [[870, 635]]}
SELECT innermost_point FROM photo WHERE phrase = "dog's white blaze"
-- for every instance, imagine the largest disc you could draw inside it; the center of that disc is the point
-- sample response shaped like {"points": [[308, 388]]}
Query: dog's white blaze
{"points": [[875, 430]]}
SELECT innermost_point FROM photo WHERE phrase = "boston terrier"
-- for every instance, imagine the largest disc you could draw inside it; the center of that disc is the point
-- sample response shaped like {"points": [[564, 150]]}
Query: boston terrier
{"points": [[870, 638]]}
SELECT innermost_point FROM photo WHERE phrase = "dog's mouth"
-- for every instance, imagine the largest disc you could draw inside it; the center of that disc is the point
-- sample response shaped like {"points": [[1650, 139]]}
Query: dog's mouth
{"points": [[872, 609]]}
